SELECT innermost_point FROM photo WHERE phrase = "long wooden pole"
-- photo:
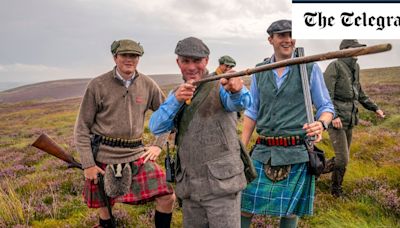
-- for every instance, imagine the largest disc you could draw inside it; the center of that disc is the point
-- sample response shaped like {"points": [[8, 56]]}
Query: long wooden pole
{"points": [[300, 60]]}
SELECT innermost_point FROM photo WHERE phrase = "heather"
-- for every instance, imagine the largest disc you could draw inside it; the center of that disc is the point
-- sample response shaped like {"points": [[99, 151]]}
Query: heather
{"points": [[37, 190]]}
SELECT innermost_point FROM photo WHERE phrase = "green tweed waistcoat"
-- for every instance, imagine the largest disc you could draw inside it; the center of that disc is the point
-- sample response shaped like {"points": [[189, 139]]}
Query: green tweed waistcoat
{"points": [[282, 113]]}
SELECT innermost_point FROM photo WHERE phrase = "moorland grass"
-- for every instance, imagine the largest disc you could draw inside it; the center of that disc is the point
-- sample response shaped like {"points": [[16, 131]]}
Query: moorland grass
{"points": [[38, 190]]}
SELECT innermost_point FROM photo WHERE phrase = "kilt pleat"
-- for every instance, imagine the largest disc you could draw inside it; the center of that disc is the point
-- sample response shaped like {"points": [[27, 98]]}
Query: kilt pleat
{"points": [[292, 196], [148, 184]]}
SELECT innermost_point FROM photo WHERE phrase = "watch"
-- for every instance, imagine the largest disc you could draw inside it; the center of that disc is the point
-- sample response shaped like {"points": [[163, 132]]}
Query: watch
{"points": [[324, 125]]}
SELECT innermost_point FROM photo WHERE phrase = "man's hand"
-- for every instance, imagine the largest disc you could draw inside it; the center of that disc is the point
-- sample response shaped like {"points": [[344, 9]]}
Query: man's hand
{"points": [[151, 153], [185, 91], [314, 129], [233, 85], [91, 173], [380, 113], [337, 123]]}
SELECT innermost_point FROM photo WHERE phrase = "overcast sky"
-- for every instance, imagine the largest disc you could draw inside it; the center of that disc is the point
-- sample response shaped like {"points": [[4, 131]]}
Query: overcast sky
{"points": [[45, 40]]}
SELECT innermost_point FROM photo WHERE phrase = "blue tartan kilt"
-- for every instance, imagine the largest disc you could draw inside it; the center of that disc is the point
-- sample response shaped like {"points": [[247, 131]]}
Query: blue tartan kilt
{"points": [[292, 196]]}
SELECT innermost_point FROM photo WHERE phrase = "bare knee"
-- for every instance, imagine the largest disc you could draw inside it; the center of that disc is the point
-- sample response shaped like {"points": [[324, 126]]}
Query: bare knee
{"points": [[245, 214], [103, 213], [165, 203], [167, 199]]}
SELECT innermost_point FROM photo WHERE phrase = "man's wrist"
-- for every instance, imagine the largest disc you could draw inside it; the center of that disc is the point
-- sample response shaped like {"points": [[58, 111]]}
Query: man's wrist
{"points": [[158, 146], [324, 124], [161, 140]]}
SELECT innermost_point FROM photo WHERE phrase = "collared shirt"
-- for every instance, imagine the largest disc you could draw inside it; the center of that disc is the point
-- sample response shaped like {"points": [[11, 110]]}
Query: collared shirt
{"points": [[128, 82], [319, 93], [162, 120]]}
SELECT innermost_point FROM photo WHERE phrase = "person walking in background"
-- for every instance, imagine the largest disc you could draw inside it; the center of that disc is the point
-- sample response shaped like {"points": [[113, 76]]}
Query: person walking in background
{"points": [[108, 136], [209, 170], [342, 78], [284, 187], [226, 63]]}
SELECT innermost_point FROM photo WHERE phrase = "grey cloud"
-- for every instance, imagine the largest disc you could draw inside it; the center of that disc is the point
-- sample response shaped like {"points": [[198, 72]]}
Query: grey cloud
{"points": [[74, 36]]}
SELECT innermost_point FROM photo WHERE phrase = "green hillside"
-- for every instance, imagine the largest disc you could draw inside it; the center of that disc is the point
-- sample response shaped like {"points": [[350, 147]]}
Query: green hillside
{"points": [[37, 190]]}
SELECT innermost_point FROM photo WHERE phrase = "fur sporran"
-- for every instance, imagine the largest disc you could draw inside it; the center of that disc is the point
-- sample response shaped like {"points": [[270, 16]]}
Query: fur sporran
{"points": [[276, 173], [118, 179]]}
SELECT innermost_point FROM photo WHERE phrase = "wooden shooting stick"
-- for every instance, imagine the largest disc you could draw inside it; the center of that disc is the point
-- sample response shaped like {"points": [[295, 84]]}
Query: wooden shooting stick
{"points": [[300, 60]]}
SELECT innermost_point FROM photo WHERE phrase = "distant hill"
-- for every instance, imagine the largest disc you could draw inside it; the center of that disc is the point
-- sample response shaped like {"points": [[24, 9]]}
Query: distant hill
{"points": [[68, 88]]}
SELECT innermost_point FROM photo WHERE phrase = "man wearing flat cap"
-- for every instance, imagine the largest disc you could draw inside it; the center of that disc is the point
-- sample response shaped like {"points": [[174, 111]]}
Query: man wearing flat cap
{"points": [[108, 136], [209, 170], [226, 63], [342, 78], [284, 187]]}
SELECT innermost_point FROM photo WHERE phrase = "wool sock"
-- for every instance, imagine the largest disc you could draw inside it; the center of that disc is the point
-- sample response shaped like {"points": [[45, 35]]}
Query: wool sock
{"points": [[106, 223], [289, 222], [162, 220], [245, 222]]}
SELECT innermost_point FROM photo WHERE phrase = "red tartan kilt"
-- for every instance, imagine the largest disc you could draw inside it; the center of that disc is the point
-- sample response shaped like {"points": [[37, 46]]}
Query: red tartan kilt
{"points": [[148, 184]]}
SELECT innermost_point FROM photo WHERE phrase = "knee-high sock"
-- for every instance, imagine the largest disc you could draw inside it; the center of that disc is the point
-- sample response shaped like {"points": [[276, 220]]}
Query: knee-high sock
{"points": [[162, 220], [106, 223], [245, 222], [288, 222]]}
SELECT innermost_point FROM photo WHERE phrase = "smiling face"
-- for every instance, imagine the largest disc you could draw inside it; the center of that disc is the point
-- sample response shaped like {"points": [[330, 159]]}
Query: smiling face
{"points": [[126, 64], [283, 45], [192, 68]]}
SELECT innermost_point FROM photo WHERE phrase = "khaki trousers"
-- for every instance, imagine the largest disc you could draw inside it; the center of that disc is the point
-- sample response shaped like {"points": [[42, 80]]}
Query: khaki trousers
{"points": [[341, 141]]}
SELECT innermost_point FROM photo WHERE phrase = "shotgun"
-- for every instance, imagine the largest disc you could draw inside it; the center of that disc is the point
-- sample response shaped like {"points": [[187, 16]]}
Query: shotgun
{"points": [[46, 144]]}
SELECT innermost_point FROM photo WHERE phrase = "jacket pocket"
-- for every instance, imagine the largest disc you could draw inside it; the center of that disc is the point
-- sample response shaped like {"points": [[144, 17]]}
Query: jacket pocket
{"points": [[226, 175], [182, 186]]}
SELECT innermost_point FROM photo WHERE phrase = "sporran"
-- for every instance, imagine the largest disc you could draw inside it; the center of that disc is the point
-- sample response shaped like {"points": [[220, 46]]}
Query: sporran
{"points": [[117, 179], [276, 173]]}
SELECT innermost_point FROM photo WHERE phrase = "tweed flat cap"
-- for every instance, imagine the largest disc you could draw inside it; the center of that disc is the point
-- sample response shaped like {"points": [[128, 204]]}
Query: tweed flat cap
{"points": [[227, 60], [280, 26], [350, 44], [192, 47], [126, 47]]}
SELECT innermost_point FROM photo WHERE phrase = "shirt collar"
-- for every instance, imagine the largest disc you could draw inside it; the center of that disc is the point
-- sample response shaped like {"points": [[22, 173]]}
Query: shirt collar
{"points": [[272, 59], [126, 83], [287, 68], [121, 78]]}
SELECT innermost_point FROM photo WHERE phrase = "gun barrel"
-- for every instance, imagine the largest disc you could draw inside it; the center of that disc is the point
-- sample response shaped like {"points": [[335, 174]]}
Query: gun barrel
{"points": [[301, 60], [46, 144]]}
